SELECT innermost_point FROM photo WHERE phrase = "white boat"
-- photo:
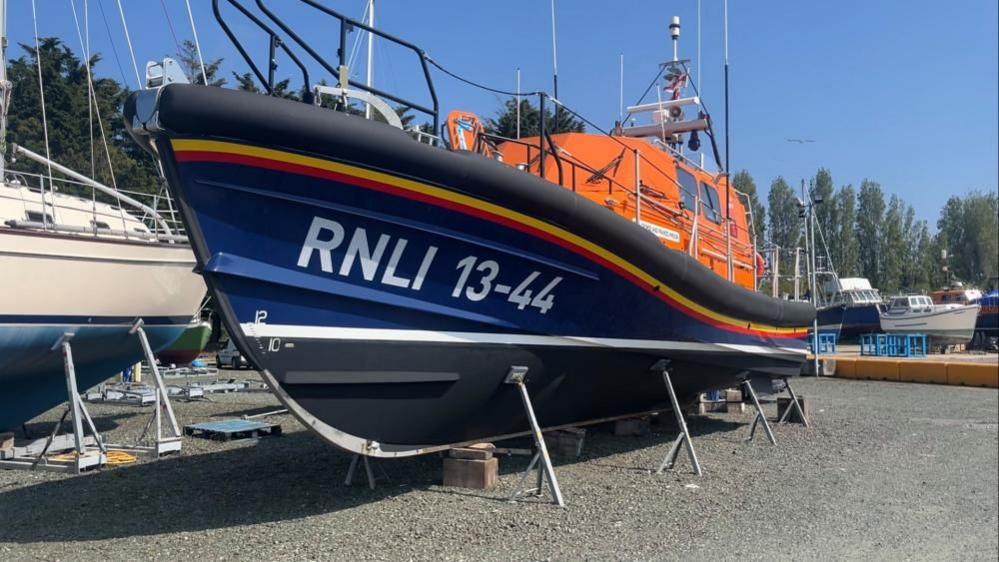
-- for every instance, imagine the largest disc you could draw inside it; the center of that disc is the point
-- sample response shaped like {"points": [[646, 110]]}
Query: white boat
{"points": [[945, 324], [76, 265]]}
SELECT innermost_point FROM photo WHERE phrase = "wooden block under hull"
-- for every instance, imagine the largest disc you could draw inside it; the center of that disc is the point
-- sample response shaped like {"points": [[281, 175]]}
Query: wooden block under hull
{"points": [[471, 473]]}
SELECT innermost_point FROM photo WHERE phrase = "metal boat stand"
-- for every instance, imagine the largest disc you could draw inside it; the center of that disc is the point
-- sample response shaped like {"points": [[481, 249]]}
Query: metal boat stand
{"points": [[662, 366], [517, 376], [367, 469], [760, 417], [161, 444], [794, 404], [82, 454]]}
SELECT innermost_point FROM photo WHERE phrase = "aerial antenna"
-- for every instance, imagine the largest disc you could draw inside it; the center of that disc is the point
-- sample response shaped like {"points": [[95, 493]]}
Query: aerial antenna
{"points": [[674, 33], [700, 92], [620, 97], [371, 53], [197, 44], [554, 65], [518, 102]]}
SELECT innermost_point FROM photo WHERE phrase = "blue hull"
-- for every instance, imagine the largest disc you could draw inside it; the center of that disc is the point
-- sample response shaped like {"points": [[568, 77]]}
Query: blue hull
{"points": [[859, 320], [32, 378], [386, 288]]}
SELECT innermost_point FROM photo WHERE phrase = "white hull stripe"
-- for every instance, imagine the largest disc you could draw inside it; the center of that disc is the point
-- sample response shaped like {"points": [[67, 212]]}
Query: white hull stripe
{"points": [[430, 336]]}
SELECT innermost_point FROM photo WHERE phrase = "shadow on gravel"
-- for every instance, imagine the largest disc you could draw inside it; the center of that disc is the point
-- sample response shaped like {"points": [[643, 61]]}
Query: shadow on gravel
{"points": [[103, 422], [271, 480], [275, 479]]}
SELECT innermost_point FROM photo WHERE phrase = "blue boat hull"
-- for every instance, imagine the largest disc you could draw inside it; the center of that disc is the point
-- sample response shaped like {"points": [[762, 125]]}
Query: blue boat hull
{"points": [[859, 320], [32, 377], [387, 306]]}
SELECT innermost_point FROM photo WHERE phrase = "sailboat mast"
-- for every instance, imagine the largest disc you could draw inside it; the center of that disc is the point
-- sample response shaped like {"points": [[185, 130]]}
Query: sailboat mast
{"points": [[4, 89], [371, 54]]}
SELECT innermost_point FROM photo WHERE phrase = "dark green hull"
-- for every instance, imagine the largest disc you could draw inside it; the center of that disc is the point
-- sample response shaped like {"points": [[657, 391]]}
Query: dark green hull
{"points": [[188, 346]]}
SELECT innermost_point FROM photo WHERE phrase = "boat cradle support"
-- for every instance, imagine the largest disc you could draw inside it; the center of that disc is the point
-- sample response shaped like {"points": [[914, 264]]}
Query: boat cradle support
{"points": [[760, 417], [517, 376], [662, 366], [86, 452], [161, 444]]}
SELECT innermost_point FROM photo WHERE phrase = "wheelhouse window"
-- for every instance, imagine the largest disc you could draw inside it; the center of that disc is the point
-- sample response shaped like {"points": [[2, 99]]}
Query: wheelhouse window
{"points": [[688, 189], [710, 206]]}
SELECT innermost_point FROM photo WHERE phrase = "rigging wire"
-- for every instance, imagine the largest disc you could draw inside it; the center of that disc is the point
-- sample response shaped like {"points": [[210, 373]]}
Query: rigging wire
{"points": [[92, 97], [197, 43], [114, 49], [170, 25], [357, 39], [128, 39], [45, 123]]}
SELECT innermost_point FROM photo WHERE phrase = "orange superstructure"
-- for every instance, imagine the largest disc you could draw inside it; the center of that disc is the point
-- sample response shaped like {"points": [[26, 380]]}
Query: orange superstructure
{"points": [[681, 203]]}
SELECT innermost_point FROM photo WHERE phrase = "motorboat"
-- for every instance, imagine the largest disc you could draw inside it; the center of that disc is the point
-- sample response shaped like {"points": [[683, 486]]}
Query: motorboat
{"points": [[388, 287], [987, 325], [944, 324], [854, 303]]}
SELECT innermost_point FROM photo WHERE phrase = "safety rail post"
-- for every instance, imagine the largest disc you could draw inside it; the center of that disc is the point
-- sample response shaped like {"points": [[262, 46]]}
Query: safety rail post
{"points": [[638, 187], [541, 134]]}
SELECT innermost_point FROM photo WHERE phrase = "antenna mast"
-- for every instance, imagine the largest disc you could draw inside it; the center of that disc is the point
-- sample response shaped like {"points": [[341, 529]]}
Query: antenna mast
{"points": [[554, 69]]}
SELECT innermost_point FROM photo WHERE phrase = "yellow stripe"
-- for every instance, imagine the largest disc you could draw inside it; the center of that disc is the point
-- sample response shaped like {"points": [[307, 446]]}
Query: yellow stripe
{"points": [[190, 145]]}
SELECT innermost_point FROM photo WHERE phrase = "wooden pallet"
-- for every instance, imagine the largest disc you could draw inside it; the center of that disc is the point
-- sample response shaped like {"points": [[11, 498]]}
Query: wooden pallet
{"points": [[232, 430]]}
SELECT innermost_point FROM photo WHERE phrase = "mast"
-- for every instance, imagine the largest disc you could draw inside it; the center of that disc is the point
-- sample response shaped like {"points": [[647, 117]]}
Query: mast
{"points": [[4, 89], [371, 53], [728, 171]]}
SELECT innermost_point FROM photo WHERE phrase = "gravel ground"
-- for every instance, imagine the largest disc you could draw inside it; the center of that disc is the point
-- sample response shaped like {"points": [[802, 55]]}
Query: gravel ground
{"points": [[887, 471]]}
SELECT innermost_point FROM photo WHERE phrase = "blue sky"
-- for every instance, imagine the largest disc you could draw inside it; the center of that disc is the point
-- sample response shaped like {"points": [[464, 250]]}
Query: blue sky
{"points": [[902, 93]]}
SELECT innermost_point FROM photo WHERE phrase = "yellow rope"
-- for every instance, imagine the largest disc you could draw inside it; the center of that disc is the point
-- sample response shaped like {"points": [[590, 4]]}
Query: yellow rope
{"points": [[113, 457]]}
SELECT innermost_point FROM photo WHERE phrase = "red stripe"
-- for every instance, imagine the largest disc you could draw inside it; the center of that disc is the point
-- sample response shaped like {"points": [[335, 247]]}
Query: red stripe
{"points": [[254, 161]]}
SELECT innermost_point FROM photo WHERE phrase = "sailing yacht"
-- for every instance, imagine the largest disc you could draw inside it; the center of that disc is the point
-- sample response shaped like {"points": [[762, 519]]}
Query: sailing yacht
{"points": [[87, 265]]}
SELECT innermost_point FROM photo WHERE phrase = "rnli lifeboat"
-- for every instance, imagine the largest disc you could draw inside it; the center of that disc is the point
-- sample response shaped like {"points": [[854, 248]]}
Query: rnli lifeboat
{"points": [[386, 286]]}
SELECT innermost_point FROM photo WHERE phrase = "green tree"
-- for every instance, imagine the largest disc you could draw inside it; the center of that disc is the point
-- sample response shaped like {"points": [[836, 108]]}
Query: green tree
{"points": [[968, 227], [784, 224], [505, 122], [74, 141], [893, 247], [189, 62], [870, 219], [825, 212], [743, 181], [843, 238]]}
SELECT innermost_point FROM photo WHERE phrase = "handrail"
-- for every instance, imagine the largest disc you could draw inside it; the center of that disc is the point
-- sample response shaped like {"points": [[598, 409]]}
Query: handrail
{"points": [[274, 42], [95, 185], [341, 75], [52, 200]]}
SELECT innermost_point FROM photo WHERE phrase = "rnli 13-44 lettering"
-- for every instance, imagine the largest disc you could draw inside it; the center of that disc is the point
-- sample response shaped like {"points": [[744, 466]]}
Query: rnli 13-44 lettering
{"points": [[364, 253]]}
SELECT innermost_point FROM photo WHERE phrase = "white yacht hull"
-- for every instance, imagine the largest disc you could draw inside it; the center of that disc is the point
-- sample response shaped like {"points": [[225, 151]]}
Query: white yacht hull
{"points": [[951, 325], [94, 288]]}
